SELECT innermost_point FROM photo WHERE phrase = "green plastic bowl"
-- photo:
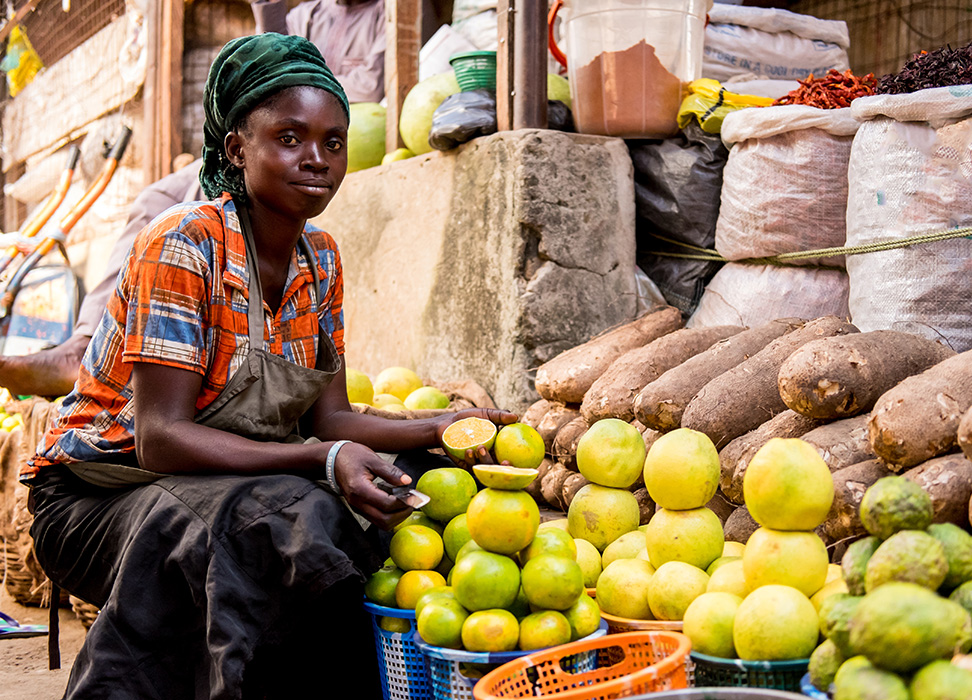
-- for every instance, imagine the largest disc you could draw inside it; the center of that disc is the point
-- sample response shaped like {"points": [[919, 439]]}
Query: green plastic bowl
{"points": [[475, 70]]}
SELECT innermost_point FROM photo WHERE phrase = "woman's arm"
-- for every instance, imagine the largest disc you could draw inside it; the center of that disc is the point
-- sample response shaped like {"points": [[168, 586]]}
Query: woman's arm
{"points": [[169, 441], [333, 419]]}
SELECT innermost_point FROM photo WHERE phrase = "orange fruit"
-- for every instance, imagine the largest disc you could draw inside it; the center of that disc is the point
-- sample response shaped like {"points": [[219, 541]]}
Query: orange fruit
{"points": [[775, 623], [465, 549], [380, 587], [503, 521], [584, 617], [417, 517], [416, 547], [450, 489], [490, 630], [611, 453], [360, 389], [455, 535], [788, 486], [786, 557], [433, 594], [552, 582], [440, 622], [622, 589], [694, 536], [545, 628], [520, 445], [398, 625], [397, 381], [482, 580], [673, 587], [388, 402], [468, 434], [549, 540], [503, 476], [426, 397], [708, 623], [413, 584]]}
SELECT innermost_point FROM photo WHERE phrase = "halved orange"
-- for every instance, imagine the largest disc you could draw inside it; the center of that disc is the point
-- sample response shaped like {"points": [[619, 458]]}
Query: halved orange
{"points": [[503, 476], [468, 434]]}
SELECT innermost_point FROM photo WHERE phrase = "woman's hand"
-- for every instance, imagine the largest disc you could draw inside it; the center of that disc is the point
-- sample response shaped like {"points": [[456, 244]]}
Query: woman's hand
{"points": [[355, 470], [481, 456]]}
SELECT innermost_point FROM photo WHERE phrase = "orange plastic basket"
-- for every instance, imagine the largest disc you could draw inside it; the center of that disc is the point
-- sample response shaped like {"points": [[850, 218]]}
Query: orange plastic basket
{"points": [[628, 664]]}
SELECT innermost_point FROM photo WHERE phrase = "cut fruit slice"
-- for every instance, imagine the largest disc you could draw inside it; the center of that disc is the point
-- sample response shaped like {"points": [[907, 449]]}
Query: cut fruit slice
{"points": [[503, 476], [468, 434]]}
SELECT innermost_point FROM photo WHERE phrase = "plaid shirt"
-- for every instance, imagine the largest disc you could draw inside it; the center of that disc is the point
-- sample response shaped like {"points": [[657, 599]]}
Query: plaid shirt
{"points": [[181, 301]]}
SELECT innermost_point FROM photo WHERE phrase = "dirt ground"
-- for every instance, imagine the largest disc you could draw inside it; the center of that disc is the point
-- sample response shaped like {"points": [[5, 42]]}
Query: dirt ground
{"points": [[23, 662]]}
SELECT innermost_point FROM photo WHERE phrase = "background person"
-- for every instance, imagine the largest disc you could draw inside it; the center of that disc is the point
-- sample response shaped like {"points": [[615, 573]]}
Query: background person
{"points": [[349, 33]]}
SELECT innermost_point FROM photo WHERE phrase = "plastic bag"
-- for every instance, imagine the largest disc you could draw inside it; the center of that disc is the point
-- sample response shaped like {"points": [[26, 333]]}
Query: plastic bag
{"points": [[20, 63], [462, 117], [909, 175], [710, 102], [677, 186], [466, 115]]}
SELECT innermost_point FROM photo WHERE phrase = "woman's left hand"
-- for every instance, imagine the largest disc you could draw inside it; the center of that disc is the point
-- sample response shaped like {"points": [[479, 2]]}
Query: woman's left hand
{"points": [[494, 415]]}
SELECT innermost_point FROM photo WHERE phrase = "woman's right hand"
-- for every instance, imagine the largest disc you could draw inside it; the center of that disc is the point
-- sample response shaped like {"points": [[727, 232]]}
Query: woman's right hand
{"points": [[355, 471]]}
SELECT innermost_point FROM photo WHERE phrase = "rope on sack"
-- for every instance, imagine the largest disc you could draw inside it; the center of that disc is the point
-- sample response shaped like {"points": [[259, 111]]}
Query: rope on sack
{"points": [[784, 259]]}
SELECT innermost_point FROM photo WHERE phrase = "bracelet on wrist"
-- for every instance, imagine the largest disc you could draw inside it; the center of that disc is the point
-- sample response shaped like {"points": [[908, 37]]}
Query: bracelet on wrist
{"points": [[329, 464]]}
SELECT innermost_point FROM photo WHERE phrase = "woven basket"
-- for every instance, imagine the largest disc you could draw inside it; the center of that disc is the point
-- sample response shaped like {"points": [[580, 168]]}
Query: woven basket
{"points": [[86, 612]]}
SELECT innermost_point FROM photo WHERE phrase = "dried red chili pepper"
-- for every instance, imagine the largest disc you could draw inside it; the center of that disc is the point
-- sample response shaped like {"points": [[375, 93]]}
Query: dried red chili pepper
{"points": [[832, 91]]}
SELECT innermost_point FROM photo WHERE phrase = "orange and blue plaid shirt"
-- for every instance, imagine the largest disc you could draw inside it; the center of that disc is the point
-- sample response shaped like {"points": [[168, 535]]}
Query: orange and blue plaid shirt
{"points": [[181, 301]]}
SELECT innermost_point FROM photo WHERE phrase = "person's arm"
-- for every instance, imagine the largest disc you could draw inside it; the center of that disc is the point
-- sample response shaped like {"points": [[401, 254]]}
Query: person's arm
{"points": [[270, 16], [169, 441]]}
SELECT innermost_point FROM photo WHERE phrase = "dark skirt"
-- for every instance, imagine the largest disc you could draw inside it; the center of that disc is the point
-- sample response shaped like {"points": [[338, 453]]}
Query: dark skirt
{"points": [[212, 586]]}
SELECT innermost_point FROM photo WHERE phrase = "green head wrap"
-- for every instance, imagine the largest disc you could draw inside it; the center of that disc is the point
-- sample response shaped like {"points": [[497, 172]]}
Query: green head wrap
{"points": [[247, 71]]}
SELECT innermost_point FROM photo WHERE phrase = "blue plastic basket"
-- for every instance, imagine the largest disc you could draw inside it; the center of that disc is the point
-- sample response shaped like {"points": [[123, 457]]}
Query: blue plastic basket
{"points": [[404, 675], [810, 690], [454, 672]]}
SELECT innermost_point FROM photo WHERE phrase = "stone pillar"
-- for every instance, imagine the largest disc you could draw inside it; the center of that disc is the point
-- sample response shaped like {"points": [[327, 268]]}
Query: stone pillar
{"points": [[484, 262]]}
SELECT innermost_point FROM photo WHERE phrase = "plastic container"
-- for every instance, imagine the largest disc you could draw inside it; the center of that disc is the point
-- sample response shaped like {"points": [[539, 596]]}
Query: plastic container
{"points": [[404, 675], [475, 70], [629, 61], [711, 671], [626, 663], [722, 694], [810, 690], [454, 672]]}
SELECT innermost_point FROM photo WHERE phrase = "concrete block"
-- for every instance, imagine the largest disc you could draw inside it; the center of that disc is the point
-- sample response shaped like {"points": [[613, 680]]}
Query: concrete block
{"points": [[484, 262]]}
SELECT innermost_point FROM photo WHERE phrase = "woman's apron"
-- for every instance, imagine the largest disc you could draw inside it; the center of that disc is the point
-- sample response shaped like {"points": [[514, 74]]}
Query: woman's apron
{"points": [[263, 400]]}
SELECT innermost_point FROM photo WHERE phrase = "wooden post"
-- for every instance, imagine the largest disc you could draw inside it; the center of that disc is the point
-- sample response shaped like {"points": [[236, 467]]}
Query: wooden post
{"points": [[170, 104], [403, 38], [162, 93], [504, 64], [530, 64]]}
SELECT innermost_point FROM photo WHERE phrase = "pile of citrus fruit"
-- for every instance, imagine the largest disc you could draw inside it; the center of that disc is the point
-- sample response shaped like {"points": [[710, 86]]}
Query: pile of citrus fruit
{"points": [[905, 608], [394, 389], [475, 564]]}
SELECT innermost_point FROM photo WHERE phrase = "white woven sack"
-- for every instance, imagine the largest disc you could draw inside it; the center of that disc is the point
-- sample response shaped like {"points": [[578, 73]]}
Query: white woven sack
{"points": [[784, 186], [751, 295], [770, 43], [911, 173]]}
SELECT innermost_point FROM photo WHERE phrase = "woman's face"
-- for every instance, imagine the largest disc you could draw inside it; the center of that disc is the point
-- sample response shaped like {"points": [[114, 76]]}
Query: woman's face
{"points": [[292, 149]]}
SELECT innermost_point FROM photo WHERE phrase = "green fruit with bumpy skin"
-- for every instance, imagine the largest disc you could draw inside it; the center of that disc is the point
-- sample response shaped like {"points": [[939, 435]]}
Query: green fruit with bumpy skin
{"points": [[909, 555], [894, 503], [824, 662], [963, 596], [854, 563], [870, 684], [419, 106], [941, 680], [835, 614], [958, 552], [903, 626]]}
